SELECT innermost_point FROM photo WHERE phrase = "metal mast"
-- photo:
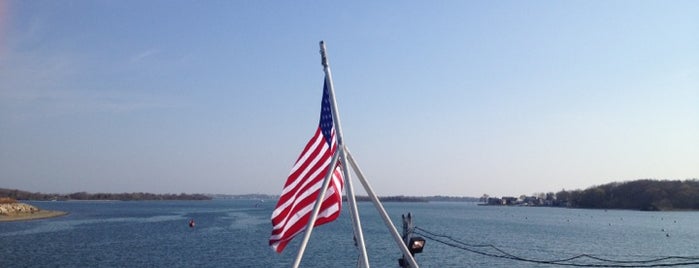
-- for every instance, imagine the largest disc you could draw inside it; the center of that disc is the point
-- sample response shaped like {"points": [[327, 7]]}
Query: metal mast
{"points": [[343, 155]]}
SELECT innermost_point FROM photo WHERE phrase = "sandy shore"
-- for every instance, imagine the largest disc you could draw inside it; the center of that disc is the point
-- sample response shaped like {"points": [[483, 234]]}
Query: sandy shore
{"points": [[41, 214]]}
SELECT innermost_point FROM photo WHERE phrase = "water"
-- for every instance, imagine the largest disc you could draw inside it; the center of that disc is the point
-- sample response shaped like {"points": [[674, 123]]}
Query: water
{"points": [[234, 233]]}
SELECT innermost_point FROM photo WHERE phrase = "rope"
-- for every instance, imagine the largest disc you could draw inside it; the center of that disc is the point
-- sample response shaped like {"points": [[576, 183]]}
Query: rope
{"points": [[664, 261]]}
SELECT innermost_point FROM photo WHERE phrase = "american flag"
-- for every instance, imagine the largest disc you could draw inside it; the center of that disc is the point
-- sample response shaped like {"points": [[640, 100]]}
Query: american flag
{"points": [[295, 205]]}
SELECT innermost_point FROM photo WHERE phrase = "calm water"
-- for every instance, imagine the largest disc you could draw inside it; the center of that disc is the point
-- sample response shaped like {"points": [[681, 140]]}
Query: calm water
{"points": [[234, 234]]}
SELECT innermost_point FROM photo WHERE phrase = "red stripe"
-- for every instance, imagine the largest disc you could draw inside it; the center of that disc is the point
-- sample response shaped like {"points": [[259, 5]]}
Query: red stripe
{"points": [[302, 202], [305, 164], [295, 175], [298, 200], [300, 225]]}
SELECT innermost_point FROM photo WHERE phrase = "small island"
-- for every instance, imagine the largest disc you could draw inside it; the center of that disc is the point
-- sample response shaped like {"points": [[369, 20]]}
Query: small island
{"points": [[11, 210]]}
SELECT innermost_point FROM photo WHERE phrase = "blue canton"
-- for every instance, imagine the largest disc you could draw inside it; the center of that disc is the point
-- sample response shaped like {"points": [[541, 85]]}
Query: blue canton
{"points": [[326, 115]]}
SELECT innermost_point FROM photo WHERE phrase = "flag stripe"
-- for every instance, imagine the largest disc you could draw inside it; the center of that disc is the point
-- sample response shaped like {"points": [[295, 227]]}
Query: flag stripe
{"points": [[294, 186], [306, 194], [307, 199], [300, 191], [306, 208], [296, 222]]}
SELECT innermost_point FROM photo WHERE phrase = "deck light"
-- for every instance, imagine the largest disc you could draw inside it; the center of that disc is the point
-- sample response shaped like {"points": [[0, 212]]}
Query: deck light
{"points": [[416, 245]]}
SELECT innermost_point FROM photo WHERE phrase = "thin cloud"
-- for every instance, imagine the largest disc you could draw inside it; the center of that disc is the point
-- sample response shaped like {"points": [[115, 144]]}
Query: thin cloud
{"points": [[143, 55]]}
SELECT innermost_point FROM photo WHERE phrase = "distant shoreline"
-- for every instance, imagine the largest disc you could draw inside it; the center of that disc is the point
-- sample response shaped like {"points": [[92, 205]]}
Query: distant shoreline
{"points": [[136, 196], [38, 215]]}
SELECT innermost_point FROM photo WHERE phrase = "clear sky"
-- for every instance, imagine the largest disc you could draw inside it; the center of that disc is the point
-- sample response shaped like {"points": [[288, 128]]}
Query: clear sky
{"points": [[436, 97]]}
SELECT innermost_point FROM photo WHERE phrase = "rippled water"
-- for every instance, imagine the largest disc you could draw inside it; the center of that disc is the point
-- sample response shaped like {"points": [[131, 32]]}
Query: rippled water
{"points": [[234, 233]]}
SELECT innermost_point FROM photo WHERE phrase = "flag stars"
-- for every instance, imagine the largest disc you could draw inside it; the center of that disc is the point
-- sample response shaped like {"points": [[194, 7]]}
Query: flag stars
{"points": [[326, 116]]}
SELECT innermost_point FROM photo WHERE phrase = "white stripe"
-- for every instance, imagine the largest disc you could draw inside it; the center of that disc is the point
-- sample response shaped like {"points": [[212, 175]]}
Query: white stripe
{"points": [[310, 165], [301, 178], [306, 210], [306, 180], [326, 213], [298, 197], [313, 189], [290, 216], [318, 140], [335, 185], [299, 214]]}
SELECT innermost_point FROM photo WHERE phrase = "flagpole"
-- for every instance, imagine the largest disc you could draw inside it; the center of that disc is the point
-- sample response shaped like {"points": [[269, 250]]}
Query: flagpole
{"points": [[316, 208], [387, 220], [354, 212]]}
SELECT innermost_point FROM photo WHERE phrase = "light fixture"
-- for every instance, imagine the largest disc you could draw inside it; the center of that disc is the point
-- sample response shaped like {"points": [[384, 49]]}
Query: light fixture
{"points": [[416, 245]]}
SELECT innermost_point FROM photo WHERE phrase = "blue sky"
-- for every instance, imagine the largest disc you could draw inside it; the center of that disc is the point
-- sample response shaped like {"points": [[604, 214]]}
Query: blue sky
{"points": [[449, 97]]}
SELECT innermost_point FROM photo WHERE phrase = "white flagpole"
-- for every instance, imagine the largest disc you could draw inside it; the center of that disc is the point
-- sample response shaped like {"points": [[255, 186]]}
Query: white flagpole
{"points": [[387, 220], [316, 208], [354, 212]]}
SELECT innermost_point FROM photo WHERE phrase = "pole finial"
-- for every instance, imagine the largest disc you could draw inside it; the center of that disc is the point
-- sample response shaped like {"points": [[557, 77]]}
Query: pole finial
{"points": [[324, 58]]}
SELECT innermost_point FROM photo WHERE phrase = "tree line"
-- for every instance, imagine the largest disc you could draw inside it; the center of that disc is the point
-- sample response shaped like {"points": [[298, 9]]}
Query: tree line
{"points": [[398, 198], [403, 198], [24, 195], [636, 195]]}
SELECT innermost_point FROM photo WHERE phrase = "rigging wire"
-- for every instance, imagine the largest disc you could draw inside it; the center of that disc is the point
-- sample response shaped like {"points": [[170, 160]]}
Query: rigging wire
{"points": [[664, 261]]}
